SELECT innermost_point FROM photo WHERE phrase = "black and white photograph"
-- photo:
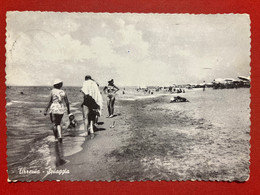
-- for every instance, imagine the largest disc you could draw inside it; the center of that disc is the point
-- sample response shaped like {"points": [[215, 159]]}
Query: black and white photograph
{"points": [[127, 96]]}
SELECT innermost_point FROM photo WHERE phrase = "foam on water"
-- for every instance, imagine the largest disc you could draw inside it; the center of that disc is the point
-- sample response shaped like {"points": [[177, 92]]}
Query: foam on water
{"points": [[74, 103], [9, 103], [31, 143], [73, 145], [26, 102]]}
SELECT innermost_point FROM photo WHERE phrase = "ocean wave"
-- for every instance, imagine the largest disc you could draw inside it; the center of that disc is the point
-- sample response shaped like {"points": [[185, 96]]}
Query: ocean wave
{"points": [[9, 103], [25, 102]]}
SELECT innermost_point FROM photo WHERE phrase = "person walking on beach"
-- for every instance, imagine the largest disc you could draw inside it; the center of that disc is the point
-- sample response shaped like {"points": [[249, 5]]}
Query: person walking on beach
{"points": [[56, 105], [92, 103], [111, 90]]}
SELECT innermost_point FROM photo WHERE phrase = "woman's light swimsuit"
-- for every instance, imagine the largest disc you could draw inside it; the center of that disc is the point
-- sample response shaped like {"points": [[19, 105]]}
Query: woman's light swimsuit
{"points": [[57, 106], [110, 91]]}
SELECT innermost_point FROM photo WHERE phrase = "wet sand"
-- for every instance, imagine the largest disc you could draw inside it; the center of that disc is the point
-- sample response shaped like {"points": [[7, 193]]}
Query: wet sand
{"points": [[150, 141]]}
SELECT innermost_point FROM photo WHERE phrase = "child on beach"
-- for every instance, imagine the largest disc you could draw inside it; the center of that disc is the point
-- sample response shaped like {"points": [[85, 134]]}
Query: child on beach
{"points": [[111, 90], [56, 105], [73, 122]]}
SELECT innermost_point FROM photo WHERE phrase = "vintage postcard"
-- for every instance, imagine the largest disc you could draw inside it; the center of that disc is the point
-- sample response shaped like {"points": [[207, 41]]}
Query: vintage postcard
{"points": [[127, 96]]}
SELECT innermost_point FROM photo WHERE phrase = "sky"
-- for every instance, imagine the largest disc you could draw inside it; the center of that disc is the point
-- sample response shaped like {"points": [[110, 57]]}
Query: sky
{"points": [[133, 49]]}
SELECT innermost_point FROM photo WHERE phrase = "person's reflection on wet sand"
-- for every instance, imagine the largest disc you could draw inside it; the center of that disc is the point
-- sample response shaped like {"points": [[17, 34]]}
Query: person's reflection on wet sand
{"points": [[59, 155]]}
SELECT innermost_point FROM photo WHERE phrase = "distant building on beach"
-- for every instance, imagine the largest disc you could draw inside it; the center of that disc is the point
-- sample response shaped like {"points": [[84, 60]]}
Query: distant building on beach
{"points": [[219, 83], [230, 83]]}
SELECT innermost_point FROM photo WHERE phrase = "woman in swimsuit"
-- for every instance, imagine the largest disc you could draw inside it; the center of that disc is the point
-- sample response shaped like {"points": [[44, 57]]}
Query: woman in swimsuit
{"points": [[110, 90], [56, 105]]}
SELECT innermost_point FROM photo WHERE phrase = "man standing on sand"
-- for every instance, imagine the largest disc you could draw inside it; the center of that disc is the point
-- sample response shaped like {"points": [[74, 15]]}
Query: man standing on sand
{"points": [[92, 103]]}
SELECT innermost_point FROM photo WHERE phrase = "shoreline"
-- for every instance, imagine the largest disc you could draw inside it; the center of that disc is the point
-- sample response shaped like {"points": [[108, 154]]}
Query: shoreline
{"points": [[94, 159], [155, 140], [91, 162]]}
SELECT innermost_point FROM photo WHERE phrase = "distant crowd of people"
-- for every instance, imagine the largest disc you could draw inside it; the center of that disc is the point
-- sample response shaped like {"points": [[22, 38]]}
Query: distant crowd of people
{"points": [[91, 105], [151, 91]]}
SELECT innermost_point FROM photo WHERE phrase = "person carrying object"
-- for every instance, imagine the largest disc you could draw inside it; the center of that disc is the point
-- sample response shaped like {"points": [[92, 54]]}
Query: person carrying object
{"points": [[92, 103]]}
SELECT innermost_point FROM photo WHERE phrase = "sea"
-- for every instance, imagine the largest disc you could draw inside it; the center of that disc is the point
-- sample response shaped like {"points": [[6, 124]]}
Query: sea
{"points": [[30, 140], [31, 148]]}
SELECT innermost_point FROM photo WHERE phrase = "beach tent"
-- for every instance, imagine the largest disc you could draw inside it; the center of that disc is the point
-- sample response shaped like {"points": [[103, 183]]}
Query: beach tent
{"points": [[219, 80], [244, 78], [143, 87], [209, 84], [229, 79]]}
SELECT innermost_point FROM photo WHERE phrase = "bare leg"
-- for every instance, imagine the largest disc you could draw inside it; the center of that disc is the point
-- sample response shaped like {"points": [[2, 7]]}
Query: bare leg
{"points": [[55, 131], [85, 118], [54, 127], [91, 127], [108, 106], [59, 131], [112, 106], [96, 119]]}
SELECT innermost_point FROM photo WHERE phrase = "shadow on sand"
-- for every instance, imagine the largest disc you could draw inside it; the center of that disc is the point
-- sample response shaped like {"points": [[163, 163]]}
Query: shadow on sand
{"points": [[115, 115], [98, 128]]}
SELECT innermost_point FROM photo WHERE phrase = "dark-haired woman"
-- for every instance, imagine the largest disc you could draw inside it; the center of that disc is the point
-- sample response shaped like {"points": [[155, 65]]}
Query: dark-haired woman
{"points": [[111, 90], [56, 105]]}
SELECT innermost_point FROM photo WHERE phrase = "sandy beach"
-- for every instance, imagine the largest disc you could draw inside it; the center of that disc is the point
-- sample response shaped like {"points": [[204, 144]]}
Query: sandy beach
{"points": [[155, 140]]}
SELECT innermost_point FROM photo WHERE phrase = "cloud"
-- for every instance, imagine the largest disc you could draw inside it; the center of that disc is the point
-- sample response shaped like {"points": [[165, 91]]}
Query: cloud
{"points": [[134, 50]]}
